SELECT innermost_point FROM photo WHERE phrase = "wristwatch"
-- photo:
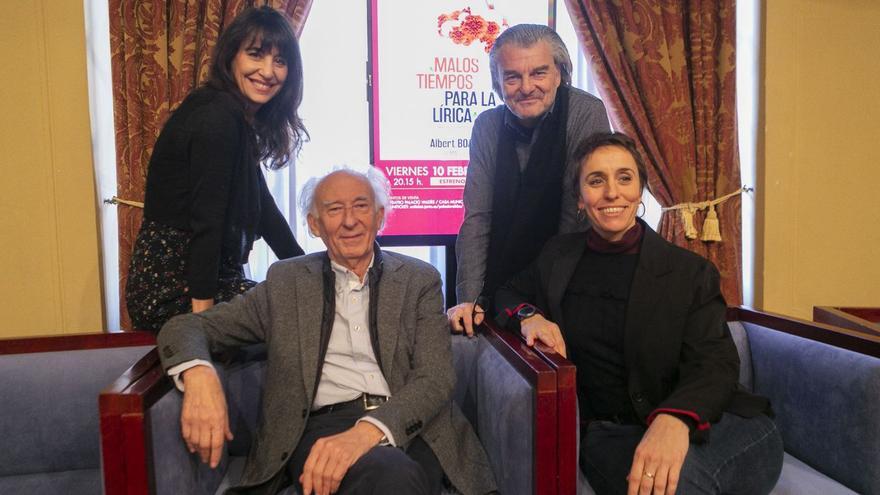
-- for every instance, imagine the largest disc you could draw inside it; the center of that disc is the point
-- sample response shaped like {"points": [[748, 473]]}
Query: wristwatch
{"points": [[526, 311]]}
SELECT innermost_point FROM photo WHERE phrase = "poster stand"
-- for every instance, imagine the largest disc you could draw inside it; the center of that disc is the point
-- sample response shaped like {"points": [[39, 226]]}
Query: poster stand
{"points": [[427, 80]]}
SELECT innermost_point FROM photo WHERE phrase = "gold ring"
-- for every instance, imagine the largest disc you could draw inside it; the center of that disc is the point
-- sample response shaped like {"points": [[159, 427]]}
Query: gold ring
{"points": [[650, 475]]}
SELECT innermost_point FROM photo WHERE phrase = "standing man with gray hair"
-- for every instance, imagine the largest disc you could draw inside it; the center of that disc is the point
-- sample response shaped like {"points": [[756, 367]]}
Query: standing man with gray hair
{"points": [[521, 162], [359, 362]]}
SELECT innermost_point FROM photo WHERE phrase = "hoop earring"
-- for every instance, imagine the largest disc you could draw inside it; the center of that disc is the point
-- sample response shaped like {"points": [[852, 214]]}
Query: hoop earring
{"points": [[644, 209], [581, 216]]}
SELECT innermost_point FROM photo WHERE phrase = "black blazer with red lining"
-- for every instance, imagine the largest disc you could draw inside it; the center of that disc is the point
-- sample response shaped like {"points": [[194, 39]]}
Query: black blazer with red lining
{"points": [[679, 354]]}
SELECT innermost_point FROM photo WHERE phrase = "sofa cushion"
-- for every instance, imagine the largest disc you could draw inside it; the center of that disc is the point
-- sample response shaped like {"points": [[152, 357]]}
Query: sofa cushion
{"points": [[799, 479], [49, 419], [827, 404], [583, 486], [236, 468], [232, 475], [77, 481], [796, 479]]}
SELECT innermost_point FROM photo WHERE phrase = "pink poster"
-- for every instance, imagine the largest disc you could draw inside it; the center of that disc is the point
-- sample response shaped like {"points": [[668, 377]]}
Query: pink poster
{"points": [[429, 80]]}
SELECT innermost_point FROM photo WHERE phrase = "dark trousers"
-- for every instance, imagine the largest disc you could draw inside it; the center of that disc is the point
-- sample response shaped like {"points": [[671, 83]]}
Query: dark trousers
{"points": [[742, 456], [381, 470]]}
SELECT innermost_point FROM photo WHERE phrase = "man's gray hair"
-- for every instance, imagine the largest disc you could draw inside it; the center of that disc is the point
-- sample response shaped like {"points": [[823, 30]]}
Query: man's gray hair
{"points": [[376, 179], [524, 36]]}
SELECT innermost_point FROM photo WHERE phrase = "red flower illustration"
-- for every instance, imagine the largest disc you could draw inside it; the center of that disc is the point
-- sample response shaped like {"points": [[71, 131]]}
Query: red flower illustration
{"points": [[472, 27], [492, 29], [458, 36]]}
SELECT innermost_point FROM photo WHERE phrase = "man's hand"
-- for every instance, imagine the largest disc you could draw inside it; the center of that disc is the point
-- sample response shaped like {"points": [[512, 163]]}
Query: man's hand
{"points": [[464, 317], [199, 305], [659, 457], [331, 457], [203, 420], [539, 329]]}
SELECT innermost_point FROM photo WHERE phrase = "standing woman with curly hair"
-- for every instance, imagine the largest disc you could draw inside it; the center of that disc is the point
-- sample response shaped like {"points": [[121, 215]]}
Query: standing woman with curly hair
{"points": [[206, 198]]}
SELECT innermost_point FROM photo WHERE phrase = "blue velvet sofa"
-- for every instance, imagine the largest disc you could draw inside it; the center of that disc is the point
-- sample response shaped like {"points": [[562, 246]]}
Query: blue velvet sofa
{"points": [[506, 391], [49, 422], [824, 384]]}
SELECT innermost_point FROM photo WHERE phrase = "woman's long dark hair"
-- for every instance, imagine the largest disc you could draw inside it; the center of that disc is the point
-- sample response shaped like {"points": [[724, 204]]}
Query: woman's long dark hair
{"points": [[279, 129]]}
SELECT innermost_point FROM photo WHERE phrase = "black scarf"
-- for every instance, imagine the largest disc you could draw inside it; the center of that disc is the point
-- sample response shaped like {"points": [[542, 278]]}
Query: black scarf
{"points": [[525, 205]]}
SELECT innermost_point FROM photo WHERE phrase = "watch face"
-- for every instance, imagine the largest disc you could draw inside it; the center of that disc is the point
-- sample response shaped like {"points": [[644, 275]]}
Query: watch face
{"points": [[525, 311]]}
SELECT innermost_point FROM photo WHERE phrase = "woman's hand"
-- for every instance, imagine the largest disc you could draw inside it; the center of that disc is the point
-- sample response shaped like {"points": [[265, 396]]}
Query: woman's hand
{"points": [[200, 305], [659, 457], [539, 329]]}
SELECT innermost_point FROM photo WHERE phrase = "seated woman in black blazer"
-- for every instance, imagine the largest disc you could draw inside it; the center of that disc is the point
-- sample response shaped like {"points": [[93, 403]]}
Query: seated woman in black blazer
{"points": [[206, 199], [644, 322]]}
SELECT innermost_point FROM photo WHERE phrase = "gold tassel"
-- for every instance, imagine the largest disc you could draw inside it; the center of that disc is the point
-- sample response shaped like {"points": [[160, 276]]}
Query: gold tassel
{"points": [[687, 216], [119, 201], [711, 230]]}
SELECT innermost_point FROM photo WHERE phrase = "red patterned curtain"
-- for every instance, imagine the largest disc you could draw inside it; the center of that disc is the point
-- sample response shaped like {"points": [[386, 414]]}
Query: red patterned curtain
{"points": [[666, 71], [161, 51]]}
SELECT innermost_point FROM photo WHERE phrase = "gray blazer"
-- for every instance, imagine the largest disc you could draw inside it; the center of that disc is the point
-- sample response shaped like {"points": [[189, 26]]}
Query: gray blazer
{"points": [[285, 312]]}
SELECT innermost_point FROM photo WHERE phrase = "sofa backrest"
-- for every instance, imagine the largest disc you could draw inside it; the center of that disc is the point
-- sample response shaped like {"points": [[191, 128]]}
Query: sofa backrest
{"points": [[827, 403], [49, 407], [244, 389], [741, 339]]}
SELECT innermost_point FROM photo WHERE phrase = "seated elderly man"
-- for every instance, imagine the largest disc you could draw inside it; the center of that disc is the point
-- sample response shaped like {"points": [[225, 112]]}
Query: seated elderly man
{"points": [[359, 377]]}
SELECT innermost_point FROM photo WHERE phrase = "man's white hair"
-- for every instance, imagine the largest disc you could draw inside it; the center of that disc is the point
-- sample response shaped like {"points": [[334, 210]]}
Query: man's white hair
{"points": [[376, 179]]}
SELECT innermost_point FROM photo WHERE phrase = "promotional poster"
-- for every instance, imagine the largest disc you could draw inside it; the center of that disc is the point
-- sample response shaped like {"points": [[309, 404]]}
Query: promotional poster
{"points": [[430, 80]]}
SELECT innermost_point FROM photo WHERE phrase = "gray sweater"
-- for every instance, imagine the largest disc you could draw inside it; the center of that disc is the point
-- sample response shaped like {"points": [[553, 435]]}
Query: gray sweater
{"points": [[586, 116]]}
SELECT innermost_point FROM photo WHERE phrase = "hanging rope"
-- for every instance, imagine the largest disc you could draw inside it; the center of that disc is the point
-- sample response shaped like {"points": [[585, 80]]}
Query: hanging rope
{"points": [[711, 228], [118, 201]]}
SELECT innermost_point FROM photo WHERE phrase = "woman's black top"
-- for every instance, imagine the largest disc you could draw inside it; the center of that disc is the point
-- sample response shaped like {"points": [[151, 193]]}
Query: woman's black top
{"points": [[204, 178], [594, 304]]}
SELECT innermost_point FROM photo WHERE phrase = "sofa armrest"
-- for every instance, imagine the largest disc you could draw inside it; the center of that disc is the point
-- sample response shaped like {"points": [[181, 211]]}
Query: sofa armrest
{"points": [[140, 436], [122, 408], [142, 447], [567, 421], [508, 394], [864, 320], [843, 338]]}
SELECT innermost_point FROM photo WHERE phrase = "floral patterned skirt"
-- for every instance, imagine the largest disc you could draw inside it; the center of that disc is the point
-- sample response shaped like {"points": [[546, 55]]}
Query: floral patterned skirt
{"points": [[156, 288]]}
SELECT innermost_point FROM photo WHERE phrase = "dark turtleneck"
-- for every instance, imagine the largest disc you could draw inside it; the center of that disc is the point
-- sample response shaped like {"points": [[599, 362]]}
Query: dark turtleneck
{"points": [[629, 244], [594, 308]]}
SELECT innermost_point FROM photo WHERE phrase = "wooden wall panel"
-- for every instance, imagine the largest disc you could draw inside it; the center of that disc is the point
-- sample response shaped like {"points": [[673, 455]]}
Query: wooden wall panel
{"points": [[48, 237]]}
